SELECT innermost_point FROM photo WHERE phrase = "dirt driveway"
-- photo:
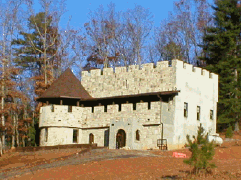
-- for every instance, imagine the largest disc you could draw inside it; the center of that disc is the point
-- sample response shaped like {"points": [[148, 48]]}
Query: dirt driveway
{"points": [[116, 164]]}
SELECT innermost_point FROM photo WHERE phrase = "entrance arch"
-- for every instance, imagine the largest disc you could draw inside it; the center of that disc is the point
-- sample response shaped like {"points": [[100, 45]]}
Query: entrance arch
{"points": [[120, 139]]}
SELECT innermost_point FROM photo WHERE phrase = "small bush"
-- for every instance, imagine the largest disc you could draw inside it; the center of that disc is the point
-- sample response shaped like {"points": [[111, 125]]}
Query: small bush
{"points": [[202, 152], [229, 132]]}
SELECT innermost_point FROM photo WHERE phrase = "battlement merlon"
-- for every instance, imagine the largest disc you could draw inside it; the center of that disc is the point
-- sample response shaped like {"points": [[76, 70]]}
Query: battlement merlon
{"points": [[175, 63]]}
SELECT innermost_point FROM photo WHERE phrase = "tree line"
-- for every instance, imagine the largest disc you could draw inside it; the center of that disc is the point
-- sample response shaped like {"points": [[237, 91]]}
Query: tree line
{"points": [[35, 50]]}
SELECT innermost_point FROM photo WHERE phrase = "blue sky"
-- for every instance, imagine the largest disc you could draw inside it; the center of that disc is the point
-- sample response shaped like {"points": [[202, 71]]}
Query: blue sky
{"points": [[79, 9]]}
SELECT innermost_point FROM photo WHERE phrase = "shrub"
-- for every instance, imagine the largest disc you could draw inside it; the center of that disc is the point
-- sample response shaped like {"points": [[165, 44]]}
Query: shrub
{"points": [[202, 152], [229, 132]]}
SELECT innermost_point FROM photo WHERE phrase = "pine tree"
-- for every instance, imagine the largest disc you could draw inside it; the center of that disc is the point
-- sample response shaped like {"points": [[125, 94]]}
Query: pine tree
{"points": [[222, 55], [202, 152]]}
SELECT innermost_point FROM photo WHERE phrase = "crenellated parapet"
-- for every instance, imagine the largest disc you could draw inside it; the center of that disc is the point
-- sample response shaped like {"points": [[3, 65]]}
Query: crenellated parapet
{"points": [[134, 79], [84, 117]]}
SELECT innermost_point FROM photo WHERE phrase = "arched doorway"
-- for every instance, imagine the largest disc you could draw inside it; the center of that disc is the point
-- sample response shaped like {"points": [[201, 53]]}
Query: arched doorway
{"points": [[91, 138], [120, 139]]}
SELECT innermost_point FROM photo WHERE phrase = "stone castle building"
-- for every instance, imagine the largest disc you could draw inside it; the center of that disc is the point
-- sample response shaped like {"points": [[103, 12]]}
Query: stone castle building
{"points": [[140, 108]]}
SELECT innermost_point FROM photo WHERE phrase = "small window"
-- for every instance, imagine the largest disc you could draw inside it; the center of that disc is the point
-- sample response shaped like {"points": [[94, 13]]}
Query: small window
{"points": [[105, 108], [198, 113], [93, 109], [185, 109], [52, 108], [137, 135], [211, 114], [119, 107], [149, 105], [75, 135], [69, 108], [46, 134], [91, 138], [134, 106]]}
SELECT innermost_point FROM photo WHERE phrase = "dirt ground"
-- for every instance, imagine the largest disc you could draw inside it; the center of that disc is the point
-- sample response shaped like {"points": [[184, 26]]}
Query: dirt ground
{"points": [[117, 164]]}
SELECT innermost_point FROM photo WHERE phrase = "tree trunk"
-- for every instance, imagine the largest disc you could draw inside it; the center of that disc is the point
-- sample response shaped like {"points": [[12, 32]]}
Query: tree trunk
{"points": [[13, 140], [23, 142], [1, 148], [236, 125], [17, 133]]}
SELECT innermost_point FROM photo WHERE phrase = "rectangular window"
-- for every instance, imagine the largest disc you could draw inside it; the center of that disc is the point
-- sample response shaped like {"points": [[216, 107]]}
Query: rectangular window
{"points": [[52, 108], [185, 109], [149, 105], [211, 114], [198, 113], [93, 109], [105, 108], [119, 107], [69, 108], [75, 135], [45, 134], [134, 106]]}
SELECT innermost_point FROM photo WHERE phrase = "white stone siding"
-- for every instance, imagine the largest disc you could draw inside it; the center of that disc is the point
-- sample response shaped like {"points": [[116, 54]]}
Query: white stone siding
{"points": [[99, 136], [149, 136], [57, 136], [60, 117]]}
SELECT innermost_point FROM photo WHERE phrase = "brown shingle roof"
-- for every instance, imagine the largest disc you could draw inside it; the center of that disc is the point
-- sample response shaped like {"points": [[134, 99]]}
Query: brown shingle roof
{"points": [[66, 86]]}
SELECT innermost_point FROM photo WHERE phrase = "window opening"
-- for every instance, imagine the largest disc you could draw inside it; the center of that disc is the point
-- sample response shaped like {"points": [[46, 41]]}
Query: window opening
{"points": [[198, 113], [134, 106], [137, 135], [69, 108], [149, 105], [91, 138], [75, 135], [52, 108], [92, 109], [185, 109], [119, 107], [46, 135], [211, 114], [105, 108]]}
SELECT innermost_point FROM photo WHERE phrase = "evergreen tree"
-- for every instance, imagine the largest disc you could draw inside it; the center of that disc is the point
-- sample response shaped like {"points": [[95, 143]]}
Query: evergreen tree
{"points": [[222, 55], [202, 152], [37, 50]]}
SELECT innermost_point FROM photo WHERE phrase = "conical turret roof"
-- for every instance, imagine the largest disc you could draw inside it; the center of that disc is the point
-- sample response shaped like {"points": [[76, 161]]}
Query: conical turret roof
{"points": [[66, 86]]}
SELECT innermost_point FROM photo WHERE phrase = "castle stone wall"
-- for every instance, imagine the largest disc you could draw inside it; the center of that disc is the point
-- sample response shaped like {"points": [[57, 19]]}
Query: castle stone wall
{"points": [[127, 81], [197, 87]]}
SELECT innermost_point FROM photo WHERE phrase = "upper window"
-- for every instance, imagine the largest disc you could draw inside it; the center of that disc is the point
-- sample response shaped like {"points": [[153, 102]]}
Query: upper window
{"points": [[211, 114], [119, 107], [137, 135], [185, 109], [198, 113]]}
